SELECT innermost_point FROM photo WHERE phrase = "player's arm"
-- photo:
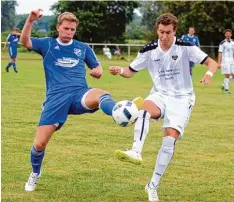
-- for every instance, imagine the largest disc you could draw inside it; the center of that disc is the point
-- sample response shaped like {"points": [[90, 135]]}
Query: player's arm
{"points": [[25, 39], [212, 68], [5, 45], [126, 72], [219, 59], [93, 63], [96, 72], [139, 63]]}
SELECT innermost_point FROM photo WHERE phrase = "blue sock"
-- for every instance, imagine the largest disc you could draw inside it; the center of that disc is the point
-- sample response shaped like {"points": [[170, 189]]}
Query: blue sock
{"points": [[106, 104], [9, 64], [14, 66], [36, 159]]}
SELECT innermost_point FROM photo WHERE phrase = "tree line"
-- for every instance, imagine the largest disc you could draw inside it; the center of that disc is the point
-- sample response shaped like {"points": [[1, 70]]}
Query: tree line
{"points": [[114, 21]]}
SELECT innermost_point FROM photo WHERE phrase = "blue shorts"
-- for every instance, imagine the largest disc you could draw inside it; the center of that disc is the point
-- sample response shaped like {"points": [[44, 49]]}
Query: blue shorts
{"points": [[57, 107], [12, 52], [191, 64]]}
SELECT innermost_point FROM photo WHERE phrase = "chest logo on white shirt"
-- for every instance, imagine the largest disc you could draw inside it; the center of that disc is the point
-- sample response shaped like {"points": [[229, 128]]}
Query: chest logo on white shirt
{"points": [[77, 51], [174, 57]]}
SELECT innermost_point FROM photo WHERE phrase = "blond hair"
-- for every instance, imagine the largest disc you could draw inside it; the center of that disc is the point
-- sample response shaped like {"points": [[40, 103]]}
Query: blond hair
{"points": [[167, 19], [67, 16]]}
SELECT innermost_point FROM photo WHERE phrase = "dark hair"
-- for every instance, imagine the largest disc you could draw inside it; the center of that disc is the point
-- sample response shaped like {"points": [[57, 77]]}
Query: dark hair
{"points": [[227, 30], [192, 27], [167, 19], [16, 29]]}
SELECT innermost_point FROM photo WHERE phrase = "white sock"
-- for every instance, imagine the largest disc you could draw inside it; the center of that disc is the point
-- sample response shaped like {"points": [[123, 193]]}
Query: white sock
{"points": [[141, 130], [164, 157], [226, 84]]}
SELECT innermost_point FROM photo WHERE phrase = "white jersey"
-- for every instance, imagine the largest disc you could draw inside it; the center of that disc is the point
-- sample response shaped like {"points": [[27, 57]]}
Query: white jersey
{"points": [[227, 49], [106, 50], [169, 70]]}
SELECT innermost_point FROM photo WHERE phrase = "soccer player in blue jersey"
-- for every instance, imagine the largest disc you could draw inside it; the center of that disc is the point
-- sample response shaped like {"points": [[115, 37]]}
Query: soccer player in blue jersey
{"points": [[12, 42], [190, 37], [67, 91]]}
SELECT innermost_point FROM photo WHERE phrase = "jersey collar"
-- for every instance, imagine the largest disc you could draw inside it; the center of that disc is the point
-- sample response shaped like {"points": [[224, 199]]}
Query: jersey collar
{"points": [[169, 48], [191, 36], [64, 44]]}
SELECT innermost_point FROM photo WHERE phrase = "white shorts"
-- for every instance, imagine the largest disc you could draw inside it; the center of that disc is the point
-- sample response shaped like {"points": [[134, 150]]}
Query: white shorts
{"points": [[227, 68], [176, 111]]}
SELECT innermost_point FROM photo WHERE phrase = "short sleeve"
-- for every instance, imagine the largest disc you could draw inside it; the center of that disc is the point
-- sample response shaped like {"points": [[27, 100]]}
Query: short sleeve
{"points": [[141, 61], [40, 45], [196, 55], [90, 58], [220, 48]]}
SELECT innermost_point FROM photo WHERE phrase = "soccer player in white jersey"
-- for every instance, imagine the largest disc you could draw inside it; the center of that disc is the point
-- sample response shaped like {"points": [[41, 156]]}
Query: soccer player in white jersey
{"points": [[171, 97], [106, 51], [226, 59], [67, 91]]}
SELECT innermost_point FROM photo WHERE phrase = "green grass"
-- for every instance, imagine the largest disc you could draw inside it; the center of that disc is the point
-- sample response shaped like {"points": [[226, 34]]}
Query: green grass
{"points": [[80, 166]]}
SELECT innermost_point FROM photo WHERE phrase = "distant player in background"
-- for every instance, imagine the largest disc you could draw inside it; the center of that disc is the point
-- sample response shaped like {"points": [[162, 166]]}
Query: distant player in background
{"points": [[190, 37], [117, 52], [107, 52], [12, 42], [171, 97], [67, 91], [226, 59]]}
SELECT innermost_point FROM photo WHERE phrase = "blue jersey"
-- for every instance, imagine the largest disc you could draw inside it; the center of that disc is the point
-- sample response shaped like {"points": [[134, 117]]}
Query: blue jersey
{"points": [[13, 40], [192, 39], [64, 64]]}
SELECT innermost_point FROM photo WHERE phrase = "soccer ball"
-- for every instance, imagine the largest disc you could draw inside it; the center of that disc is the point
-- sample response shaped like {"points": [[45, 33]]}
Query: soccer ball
{"points": [[124, 113]]}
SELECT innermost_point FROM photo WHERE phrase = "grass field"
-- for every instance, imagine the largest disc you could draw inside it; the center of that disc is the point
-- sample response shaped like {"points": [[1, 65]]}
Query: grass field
{"points": [[80, 166]]}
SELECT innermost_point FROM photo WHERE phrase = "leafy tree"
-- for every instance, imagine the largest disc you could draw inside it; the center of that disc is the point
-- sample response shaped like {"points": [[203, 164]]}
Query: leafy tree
{"points": [[135, 30], [7, 15], [100, 21], [210, 18], [150, 10]]}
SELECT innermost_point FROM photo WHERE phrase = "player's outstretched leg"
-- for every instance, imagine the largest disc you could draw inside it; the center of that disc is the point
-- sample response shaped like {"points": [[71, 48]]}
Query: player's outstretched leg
{"points": [[140, 132]]}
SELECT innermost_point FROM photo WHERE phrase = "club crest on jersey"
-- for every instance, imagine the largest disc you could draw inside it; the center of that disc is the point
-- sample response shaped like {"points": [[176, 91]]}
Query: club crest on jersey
{"points": [[174, 57], [57, 48], [77, 51]]}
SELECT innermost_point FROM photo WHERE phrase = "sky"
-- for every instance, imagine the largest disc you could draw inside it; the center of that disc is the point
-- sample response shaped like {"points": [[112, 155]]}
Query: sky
{"points": [[25, 6]]}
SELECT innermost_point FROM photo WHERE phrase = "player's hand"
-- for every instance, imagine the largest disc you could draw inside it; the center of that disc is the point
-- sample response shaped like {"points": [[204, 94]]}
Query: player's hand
{"points": [[206, 79], [114, 70], [35, 15], [4, 49], [219, 65], [96, 72]]}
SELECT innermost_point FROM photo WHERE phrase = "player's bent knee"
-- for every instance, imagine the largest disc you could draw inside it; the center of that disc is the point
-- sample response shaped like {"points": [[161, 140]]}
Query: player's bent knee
{"points": [[39, 146], [152, 109]]}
